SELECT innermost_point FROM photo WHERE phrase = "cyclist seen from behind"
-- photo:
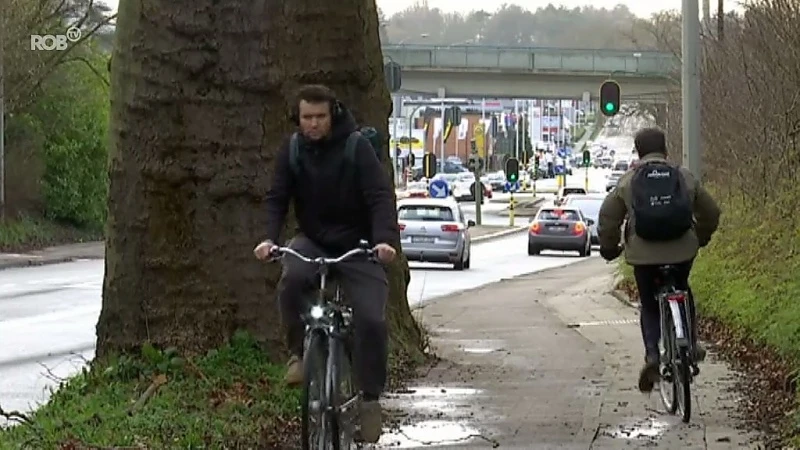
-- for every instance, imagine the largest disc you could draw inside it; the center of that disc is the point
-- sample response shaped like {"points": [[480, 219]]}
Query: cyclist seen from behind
{"points": [[341, 195], [669, 217]]}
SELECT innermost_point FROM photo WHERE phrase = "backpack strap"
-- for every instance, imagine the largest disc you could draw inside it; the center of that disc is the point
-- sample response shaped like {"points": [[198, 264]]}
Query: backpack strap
{"points": [[294, 153], [350, 147]]}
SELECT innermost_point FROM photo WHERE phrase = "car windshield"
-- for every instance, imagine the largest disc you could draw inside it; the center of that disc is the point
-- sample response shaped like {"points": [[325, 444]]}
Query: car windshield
{"points": [[589, 208], [559, 214], [568, 191], [426, 213]]}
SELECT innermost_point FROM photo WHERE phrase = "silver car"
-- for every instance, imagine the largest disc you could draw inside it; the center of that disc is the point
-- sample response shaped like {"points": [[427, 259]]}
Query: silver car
{"points": [[434, 230], [589, 204], [559, 228]]}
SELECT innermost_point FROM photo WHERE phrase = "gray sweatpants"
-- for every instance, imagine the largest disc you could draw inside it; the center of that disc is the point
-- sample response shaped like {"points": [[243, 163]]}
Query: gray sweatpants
{"points": [[366, 290]]}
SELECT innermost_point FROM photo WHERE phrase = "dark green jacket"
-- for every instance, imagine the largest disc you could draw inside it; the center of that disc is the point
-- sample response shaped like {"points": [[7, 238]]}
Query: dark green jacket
{"points": [[617, 207]]}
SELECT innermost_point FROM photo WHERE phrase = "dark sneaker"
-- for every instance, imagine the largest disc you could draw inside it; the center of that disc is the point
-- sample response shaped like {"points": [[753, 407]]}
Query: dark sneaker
{"points": [[294, 372], [648, 376], [371, 421]]}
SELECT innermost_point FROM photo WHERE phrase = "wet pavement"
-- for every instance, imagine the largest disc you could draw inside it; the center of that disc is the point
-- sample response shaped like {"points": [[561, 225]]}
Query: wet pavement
{"points": [[50, 312], [549, 361]]}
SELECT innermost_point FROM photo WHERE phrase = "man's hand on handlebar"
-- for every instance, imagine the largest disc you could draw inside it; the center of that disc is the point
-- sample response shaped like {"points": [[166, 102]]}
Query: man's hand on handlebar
{"points": [[385, 253], [265, 250]]}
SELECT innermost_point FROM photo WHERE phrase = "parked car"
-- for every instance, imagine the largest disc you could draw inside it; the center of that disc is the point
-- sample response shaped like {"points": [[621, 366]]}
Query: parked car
{"points": [[434, 230], [564, 229]]}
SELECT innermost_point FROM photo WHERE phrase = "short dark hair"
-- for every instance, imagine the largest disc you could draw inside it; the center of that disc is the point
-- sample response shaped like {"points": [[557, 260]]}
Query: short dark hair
{"points": [[650, 140], [315, 93]]}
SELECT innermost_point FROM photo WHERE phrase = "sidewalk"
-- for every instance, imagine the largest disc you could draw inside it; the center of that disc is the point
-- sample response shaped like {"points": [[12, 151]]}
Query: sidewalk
{"points": [[54, 255], [546, 361]]}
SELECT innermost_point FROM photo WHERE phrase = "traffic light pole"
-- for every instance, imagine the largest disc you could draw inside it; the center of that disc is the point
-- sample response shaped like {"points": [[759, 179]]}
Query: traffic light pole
{"points": [[586, 179], [511, 210], [478, 197]]}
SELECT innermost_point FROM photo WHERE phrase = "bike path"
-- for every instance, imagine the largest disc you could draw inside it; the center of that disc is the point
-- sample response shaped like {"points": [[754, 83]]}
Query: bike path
{"points": [[550, 360]]}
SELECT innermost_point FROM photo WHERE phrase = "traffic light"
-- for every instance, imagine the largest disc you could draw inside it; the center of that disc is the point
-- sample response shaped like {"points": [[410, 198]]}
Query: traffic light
{"points": [[473, 146], [609, 98], [512, 170], [429, 165], [587, 158], [412, 159]]}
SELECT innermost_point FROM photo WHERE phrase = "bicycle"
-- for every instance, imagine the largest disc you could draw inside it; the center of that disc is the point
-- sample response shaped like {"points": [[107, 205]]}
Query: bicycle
{"points": [[677, 366], [329, 386]]}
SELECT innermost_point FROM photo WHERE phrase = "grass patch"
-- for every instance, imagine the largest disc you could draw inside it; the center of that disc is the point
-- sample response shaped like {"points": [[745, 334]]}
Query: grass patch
{"points": [[26, 233], [232, 397]]}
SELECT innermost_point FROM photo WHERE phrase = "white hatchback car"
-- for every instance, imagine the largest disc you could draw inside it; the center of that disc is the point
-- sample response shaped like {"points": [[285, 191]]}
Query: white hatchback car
{"points": [[434, 230]]}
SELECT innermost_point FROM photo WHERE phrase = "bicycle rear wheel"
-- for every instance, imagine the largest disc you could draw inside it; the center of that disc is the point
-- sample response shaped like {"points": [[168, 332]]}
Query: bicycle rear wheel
{"points": [[316, 432], [683, 379], [667, 386]]}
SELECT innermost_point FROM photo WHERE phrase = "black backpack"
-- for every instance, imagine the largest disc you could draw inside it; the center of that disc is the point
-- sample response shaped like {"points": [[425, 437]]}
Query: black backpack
{"points": [[371, 134], [662, 208]]}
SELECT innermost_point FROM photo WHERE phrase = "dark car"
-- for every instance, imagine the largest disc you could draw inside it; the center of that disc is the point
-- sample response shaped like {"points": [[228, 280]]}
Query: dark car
{"points": [[564, 229]]}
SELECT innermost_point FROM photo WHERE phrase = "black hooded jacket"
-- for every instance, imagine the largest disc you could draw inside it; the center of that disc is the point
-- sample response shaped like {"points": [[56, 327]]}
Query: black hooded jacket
{"points": [[336, 206]]}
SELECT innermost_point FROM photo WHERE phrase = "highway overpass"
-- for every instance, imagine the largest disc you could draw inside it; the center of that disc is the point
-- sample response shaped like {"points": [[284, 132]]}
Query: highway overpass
{"points": [[471, 71]]}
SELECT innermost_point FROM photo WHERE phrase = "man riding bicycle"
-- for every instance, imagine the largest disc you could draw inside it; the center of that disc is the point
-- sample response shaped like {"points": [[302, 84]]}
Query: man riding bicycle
{"points": [[670, 216], [334, 213]]}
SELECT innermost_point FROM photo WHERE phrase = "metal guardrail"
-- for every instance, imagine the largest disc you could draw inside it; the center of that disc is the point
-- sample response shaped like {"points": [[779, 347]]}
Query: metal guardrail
{"points": [[533, 59]]}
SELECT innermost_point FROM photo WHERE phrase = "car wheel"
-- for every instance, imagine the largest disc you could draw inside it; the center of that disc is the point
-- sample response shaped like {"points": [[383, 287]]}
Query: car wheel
{"points": [[467, 262], [459, 265], [533, 250], [587, 250]]}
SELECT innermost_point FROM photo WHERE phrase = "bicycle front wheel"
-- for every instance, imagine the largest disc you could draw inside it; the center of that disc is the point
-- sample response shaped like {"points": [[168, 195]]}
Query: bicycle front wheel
{"points": [[314, 402]]}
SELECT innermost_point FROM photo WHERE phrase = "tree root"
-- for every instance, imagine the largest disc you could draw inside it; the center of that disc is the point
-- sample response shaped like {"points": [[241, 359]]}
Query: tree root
{"points": [[158, 381]]}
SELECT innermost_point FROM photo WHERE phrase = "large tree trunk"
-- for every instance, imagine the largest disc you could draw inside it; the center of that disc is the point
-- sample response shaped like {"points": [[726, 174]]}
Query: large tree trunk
{"points": [[201, 94]]}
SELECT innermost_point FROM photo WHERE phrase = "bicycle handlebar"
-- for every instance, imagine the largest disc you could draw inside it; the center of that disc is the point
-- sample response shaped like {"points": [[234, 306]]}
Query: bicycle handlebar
{"points": [[280, 251]]}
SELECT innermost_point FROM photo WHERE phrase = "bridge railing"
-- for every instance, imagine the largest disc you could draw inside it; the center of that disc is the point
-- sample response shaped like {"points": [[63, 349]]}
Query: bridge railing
{"points": [[533, 59]]}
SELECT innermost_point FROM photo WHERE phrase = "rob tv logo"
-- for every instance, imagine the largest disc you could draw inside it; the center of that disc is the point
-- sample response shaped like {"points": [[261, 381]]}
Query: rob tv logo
{"points": [[51, 42]]}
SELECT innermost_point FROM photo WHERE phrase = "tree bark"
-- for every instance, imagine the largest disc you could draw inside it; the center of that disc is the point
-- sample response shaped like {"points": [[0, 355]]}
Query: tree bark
{"points": [[201, 92]]}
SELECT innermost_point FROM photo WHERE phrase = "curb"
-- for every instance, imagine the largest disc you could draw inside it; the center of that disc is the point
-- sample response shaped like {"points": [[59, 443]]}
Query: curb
{"points": [[499, 234], [623, 298], [27, 262]]}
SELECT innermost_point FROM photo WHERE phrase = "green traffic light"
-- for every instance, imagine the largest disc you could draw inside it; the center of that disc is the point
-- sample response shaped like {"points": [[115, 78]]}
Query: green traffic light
{"points": [[609, 107], [513, 177]]}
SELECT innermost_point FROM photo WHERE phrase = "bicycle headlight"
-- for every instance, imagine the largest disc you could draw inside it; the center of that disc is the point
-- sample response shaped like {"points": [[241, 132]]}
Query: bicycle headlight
{"points": [[316, 312]]}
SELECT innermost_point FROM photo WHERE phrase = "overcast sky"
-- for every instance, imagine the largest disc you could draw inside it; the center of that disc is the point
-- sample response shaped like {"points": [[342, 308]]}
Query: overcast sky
{"points": [[639, 7]]}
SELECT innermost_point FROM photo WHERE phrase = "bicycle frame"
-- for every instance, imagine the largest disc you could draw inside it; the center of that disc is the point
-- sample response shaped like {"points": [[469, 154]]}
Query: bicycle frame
{"points": [[331, 322]]}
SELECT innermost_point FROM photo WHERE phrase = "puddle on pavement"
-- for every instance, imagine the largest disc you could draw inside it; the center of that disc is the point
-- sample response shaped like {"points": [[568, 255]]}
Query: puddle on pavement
{"points": [[430, 433], [649, 429], [432, 416], [480, 350], [429, 391]]}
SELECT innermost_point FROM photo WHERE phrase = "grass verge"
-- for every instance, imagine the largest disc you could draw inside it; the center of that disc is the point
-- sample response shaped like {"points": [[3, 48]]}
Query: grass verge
{"points": [[232, 397], [26, 233], [747, 282]]}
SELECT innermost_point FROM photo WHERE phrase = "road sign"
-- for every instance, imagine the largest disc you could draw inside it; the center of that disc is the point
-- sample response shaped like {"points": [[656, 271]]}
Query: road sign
{"points": [[512, 187], [559, 170], [562, 152], [439, 189]]}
